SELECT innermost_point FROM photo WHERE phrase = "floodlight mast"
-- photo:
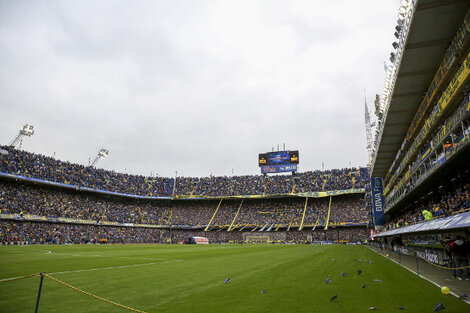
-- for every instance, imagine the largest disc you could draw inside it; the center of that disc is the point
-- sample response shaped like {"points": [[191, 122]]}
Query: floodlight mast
{"points": [[26, 131], [101, 155]]}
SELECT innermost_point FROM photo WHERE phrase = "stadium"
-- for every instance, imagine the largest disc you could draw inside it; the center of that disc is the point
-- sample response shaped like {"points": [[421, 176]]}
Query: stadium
{"points": [[390, 235]]}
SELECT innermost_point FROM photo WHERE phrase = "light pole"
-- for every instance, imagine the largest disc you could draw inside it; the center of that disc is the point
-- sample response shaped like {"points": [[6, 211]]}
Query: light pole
{"points": [[26, 131], [103, 153]]}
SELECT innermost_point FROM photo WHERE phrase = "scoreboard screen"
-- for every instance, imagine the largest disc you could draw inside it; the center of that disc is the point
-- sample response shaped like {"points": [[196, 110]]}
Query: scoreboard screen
{"points": [[279, 158], [280, 161]]}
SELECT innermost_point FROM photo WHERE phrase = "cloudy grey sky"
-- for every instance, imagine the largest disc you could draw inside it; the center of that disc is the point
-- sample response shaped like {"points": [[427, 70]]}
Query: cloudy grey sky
{"points": [[198, 87]]}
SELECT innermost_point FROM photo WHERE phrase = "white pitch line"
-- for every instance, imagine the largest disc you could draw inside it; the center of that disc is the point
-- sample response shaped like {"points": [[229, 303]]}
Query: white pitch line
{"points": [[113, 267], [131, 258], [100, 256]]}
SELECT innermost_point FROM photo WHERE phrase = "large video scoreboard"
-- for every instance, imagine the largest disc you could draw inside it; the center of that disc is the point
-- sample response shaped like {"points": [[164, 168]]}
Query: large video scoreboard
{"points": [[279, 161]]}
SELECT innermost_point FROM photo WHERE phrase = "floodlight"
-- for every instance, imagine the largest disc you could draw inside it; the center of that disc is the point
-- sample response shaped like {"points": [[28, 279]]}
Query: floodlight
{"points": [[27, 130], [103, 153]]}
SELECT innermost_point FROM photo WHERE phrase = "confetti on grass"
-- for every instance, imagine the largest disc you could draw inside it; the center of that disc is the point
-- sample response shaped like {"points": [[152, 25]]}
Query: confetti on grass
{"points": [[439, 307]]}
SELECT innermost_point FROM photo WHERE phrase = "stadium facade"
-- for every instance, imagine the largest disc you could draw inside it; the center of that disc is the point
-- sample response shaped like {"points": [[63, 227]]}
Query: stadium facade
{"points": [[419, 190]]}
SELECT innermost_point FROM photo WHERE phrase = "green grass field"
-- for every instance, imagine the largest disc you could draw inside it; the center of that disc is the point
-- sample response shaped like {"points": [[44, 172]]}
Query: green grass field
{"points": [[170, 278]]}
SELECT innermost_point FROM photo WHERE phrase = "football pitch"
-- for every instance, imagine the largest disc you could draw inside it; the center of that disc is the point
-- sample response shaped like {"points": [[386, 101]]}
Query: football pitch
{"points": [[172, 278]]}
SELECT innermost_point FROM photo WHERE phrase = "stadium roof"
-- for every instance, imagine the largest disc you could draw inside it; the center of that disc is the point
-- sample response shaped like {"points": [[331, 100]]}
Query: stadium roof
{"points": [[453, 222], [432, 28]]}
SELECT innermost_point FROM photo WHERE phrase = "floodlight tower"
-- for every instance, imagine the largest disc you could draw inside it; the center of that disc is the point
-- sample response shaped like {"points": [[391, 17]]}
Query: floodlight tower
{"points": [[27, 130], [101, 155]]}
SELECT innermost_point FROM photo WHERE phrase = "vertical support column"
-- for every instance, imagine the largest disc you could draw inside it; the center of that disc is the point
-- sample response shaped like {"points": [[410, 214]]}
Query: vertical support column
{"points": [[208, 225], [328, 218], [303, 216], [236, 215], [316, 223]]}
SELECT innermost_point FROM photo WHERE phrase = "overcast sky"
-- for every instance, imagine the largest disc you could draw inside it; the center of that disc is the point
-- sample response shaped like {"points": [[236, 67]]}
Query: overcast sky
{"points": [[198, 87]]}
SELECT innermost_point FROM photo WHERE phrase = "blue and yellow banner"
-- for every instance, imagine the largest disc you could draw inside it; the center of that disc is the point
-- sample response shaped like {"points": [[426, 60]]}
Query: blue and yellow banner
{"points": [[377, 200]]}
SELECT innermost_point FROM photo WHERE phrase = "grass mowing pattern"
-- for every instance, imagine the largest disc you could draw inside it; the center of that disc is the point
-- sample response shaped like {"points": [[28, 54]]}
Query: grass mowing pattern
{"points": [[150, 278]]}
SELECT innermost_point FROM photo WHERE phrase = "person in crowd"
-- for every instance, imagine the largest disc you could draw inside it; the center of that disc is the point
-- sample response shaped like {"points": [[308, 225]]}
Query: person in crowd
{"points": [[452, 198]]}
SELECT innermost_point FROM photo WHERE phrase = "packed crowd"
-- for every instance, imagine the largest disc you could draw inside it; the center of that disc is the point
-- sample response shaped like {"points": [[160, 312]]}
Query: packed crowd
{"points": [[280, 212], [28, 199], [192, 213], [353, 235], [451, 198], [347, 178], [15, 232], [42, 201], [349, 234], [25, 199], [27, 164], [349, 209], [22, 232]]}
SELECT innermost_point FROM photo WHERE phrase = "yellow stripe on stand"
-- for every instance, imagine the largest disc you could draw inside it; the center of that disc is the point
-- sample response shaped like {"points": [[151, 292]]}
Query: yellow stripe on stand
{"points": [[207, 227], [316, 223], [328, 218], [230, 228], [303, 216]]}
